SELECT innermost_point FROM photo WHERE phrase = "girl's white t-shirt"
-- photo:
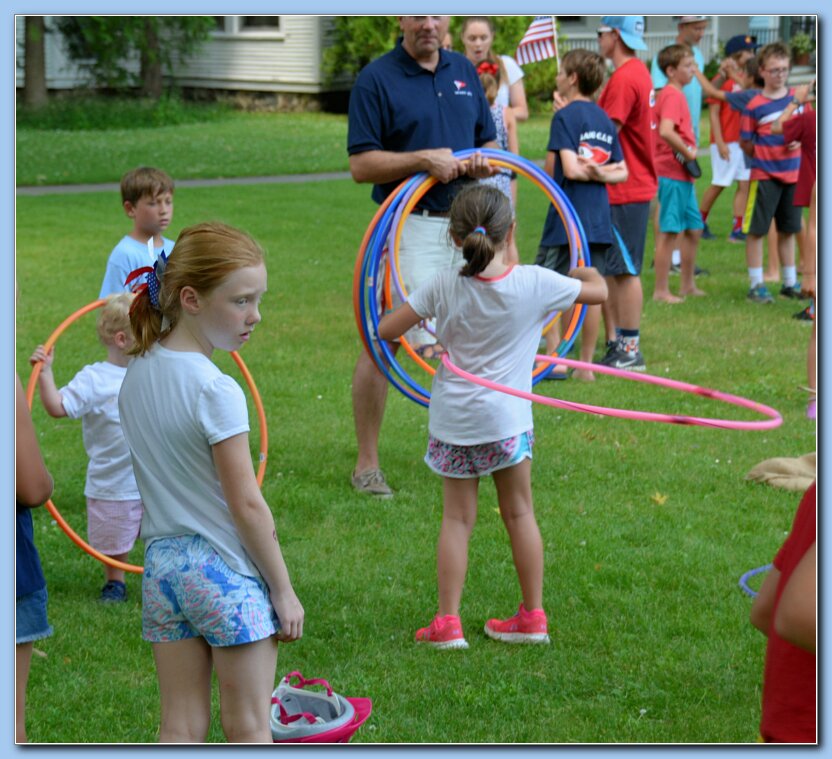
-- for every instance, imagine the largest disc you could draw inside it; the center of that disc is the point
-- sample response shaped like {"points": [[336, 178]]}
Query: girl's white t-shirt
{"points": [[174, 406], [491, 328], [92, 396], [514, 74]]}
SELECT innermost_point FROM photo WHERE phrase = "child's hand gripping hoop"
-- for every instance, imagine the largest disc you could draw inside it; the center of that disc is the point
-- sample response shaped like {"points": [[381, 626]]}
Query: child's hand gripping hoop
{"points": [[50, 506], [299, 715]]}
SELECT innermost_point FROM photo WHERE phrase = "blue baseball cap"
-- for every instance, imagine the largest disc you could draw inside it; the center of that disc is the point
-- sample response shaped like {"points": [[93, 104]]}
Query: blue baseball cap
{"points": [[630, 28], [741, 42]]}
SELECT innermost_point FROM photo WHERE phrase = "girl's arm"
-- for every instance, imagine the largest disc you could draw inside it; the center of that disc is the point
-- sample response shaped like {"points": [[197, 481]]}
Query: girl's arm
{"points": [[511, 131], [49, 394], [517, 100], [796, 617], [593, 285], [33, 483], [255, 525], [763, 606], [395, 323]]}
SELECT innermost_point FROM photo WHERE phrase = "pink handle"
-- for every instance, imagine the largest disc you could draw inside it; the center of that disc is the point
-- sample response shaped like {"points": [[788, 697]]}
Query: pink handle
{"points": [[774, 417], [303, 682]]}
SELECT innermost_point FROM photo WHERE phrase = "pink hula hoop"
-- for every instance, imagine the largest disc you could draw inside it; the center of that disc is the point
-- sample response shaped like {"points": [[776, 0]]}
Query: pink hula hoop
{"points": [[774, 418]]}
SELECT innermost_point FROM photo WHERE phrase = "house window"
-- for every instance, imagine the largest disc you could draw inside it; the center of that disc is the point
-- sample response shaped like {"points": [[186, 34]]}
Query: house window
{"points": [[248, 26], [260, 23]]}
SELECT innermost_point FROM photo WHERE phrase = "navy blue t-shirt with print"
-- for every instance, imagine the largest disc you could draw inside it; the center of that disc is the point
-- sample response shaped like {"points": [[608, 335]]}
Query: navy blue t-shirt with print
{"points": [[399, 106], [587, 131]]}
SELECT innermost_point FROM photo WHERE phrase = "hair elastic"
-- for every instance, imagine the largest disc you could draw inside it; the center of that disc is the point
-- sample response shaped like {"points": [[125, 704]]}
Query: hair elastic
{"points": [[479, 231]]}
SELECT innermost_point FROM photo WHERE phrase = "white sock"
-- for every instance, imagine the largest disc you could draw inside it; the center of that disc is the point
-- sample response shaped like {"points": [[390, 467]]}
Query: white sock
{"points": [[755, 276], [789, 276], [676, 258]]}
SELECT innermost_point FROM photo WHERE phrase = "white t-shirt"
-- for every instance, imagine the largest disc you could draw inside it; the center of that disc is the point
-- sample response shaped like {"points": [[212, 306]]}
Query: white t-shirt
{"points": [[491, 328], [92, 396], [174, 406], [514, 74], [127, 256]]}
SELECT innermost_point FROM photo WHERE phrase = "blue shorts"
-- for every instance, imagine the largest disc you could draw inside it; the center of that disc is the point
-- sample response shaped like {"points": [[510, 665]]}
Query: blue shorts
{"points": [[30, 617], [471, 461], [629, 236], [188, 591], [678, 209]]}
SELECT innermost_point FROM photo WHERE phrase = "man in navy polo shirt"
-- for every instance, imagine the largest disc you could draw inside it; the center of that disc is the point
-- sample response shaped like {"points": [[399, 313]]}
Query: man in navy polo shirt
{"points": [[410, 110]]}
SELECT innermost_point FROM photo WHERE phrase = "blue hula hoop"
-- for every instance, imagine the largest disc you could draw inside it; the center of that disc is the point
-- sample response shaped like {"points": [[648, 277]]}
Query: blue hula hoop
{"points": [[748, 575], [370, 272]]}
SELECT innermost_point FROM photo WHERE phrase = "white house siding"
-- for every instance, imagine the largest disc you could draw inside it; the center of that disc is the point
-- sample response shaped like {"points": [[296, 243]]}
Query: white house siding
{"points": [[286, 62]]}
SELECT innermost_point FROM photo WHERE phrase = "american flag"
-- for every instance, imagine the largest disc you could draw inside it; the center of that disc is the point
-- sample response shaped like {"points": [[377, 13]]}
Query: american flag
{"points": [[539, 42]]}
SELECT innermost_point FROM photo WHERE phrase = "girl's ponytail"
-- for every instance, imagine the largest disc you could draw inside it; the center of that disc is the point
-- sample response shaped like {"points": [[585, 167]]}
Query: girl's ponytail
{"points": [[481, 217]]}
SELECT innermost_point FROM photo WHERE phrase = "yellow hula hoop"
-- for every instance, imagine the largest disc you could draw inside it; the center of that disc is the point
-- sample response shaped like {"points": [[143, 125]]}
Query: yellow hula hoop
{"points": [[50, 506]]}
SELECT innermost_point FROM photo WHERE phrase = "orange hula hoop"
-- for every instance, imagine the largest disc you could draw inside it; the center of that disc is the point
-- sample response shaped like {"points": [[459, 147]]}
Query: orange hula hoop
{"points": [[50, 506]]}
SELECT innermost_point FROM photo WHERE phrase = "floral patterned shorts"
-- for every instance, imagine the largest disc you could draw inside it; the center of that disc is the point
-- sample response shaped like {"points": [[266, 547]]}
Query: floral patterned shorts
{"points": [[469, 461], [188, 591]]}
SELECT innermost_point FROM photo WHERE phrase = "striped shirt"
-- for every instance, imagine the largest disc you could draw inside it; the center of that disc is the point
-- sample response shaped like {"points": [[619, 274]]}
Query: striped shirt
{"points": [[772, 158]]}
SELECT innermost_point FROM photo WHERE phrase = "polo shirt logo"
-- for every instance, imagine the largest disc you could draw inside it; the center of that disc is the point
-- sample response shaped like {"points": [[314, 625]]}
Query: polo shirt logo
{"points": [[462, 88]]}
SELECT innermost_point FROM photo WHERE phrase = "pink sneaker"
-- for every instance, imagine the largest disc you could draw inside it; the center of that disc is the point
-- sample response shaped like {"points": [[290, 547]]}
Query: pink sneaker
{"points": [[523, 627], [443, 632], [812, 409]]}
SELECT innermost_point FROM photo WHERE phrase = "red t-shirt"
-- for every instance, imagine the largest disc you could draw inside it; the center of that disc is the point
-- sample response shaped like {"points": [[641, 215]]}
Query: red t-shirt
{"points": [[671, 104], [628, 99], [729, 119], [802, 128], [789, 682]]}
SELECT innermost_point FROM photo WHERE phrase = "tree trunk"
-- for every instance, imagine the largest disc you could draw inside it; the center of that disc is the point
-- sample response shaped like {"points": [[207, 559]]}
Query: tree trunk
{"points": [[34, 72], [151, 62]]}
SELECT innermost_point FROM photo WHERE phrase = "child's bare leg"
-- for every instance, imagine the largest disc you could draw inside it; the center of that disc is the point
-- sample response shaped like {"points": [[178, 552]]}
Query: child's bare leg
{"points": [[772, 273], [785, 249], [514, 493], [114, 574], [183, 668], [459, 513], [665, 245], [689, 246], [246, 679], [589, 337]]}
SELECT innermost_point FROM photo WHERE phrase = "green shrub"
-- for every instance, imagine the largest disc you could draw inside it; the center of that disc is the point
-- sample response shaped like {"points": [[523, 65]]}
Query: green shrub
{"points": [[97, 112]]}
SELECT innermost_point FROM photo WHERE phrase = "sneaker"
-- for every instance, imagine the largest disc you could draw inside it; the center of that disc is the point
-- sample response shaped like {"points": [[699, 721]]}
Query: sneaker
{"points": [[707, 234], [675, 269], [737, 236], [760, 294], [443, 632], [523, 627], [806, 315], [812, 409], [697, 272], [791, 291], [612, 348], [632, 361], [372, 481], [113, 592]]}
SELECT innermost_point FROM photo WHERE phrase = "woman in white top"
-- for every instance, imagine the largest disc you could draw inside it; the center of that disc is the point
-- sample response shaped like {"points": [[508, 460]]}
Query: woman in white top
{"points": [[216, 594], [489, 316], [477, 36]]}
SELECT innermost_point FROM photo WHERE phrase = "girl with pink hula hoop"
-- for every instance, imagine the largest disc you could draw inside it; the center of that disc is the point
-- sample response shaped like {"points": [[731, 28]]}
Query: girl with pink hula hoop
{"points": [[483, 314], [216, 594]]}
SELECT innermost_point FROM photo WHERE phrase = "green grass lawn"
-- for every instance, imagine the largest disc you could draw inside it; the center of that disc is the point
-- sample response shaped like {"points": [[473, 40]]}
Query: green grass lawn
{"points": [[647, 527]]}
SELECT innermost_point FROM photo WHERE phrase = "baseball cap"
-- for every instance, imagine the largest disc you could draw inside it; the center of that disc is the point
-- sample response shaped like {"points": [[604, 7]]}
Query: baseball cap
{"points": [[631, 29], [690, 19], [741, 42]]}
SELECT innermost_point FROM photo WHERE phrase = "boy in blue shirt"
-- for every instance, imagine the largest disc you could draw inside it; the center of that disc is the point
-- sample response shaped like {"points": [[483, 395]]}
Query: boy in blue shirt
{"points": [[147, 198], [584, 155]]}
